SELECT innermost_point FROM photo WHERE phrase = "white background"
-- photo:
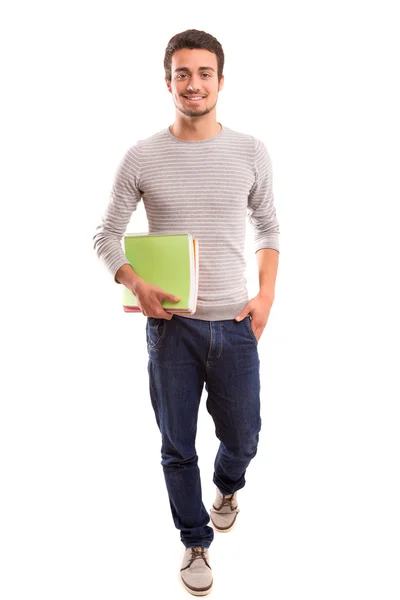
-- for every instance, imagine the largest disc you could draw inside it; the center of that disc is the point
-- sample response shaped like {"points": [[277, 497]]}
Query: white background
{"points": [[84, 510]]}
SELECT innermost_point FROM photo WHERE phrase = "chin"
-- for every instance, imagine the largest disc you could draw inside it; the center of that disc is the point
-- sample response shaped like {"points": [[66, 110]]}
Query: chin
{"points": [[189, 113]]}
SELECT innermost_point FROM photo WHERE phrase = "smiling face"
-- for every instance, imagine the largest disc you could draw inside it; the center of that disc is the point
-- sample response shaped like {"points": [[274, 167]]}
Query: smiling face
{"points": [[194, 81]]}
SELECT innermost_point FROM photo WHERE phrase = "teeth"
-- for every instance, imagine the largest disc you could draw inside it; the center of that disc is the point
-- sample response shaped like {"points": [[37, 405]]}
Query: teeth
{"points": [[197, 98]]}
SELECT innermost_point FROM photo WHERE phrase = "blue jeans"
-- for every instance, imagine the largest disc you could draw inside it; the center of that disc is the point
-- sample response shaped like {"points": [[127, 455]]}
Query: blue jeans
{"points": [[185, 354]]}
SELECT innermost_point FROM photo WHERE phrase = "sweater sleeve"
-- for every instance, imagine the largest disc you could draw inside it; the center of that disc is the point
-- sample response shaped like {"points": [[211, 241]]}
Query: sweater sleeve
{"points": [[124, 198], [261, 209]]}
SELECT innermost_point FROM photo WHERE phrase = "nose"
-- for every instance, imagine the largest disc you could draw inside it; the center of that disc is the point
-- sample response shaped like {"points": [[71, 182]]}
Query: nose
{"points": [[193, 85]]}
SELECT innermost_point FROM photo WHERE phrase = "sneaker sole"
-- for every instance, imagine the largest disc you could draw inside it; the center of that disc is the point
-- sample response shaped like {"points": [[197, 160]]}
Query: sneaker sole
{"points": [[223, 530], [196, 592]]}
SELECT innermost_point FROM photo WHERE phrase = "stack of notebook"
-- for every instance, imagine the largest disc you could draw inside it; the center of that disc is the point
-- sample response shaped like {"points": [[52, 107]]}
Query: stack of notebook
{"points": [[167, 260]]}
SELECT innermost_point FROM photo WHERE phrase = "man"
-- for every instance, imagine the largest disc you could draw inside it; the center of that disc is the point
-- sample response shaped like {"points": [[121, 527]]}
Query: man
{"points": [[203, 178]]}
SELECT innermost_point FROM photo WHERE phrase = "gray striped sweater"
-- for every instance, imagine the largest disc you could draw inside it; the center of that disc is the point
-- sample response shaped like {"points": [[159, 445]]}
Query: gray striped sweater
{"points": [[206, 188]]}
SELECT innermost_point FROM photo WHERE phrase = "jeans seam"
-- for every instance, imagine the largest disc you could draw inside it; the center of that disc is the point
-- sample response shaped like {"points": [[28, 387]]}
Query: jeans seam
{"points": [[161, 336], [248, 325]]}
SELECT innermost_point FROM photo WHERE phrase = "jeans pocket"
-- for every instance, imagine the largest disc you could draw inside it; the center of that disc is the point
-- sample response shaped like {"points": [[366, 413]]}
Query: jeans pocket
{"points": [[247, 321], [155, 332]]}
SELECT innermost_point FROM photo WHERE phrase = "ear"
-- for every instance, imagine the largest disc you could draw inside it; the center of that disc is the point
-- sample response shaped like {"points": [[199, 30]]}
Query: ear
{"points": [[168, 85], [221, 83]]}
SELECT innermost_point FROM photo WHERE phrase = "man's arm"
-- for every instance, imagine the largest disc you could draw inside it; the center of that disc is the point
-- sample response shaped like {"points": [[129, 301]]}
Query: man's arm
{"points": [[262, 216], [261, 204], [125, 196], [267, 259]]}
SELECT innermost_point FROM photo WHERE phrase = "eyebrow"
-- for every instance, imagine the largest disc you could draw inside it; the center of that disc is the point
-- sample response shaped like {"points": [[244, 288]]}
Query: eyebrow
{"points": [[188, 70]]}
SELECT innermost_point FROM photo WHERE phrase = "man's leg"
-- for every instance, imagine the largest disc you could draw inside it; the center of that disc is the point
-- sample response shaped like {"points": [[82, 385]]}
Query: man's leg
{"points": [[176, 378], [233, 386]]}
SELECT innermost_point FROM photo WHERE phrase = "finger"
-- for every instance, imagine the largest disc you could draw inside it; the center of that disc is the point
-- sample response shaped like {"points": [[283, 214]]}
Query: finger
{"points": [[241, 316], [161, 313], [170, 297], [166, 315], [244, 312]]}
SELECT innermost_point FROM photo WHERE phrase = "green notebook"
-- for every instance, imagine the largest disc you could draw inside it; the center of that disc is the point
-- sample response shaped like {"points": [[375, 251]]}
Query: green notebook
{"points": [[168, 260]]}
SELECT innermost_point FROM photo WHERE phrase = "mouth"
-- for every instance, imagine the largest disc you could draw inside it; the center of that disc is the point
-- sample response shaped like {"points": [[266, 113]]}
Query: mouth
{"points": [[194, 99]]}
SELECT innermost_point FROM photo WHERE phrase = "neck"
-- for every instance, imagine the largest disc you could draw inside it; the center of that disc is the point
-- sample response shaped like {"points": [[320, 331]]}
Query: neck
{"points": [[193, 130]]}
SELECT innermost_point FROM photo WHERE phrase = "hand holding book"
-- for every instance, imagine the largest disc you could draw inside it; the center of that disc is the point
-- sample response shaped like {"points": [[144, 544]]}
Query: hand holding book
{"points": [[150, 299], [161, 277]]}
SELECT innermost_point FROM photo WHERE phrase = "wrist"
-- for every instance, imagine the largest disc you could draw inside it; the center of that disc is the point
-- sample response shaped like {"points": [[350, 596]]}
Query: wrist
{"points": [[127, 276], [267, 295]]}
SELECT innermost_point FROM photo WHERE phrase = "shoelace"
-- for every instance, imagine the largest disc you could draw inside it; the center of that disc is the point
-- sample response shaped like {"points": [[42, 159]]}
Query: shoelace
{"points": [[198, 552], [228, 501]]}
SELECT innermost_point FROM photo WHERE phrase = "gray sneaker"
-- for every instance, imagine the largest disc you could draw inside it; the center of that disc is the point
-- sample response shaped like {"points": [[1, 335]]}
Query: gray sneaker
{"points": [[224, 512], [196, 572]]}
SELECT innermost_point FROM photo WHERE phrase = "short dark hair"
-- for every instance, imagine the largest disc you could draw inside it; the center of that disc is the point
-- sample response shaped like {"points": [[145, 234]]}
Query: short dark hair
{"points": [[193, 38]]}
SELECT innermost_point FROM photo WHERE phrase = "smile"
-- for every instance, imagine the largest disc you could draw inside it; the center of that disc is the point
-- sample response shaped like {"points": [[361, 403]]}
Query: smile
{"points": [[194, 99]]}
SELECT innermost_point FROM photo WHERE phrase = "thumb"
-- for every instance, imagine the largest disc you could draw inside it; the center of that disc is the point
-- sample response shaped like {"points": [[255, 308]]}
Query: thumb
{"points": [[171, 297], [243, 313]]}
